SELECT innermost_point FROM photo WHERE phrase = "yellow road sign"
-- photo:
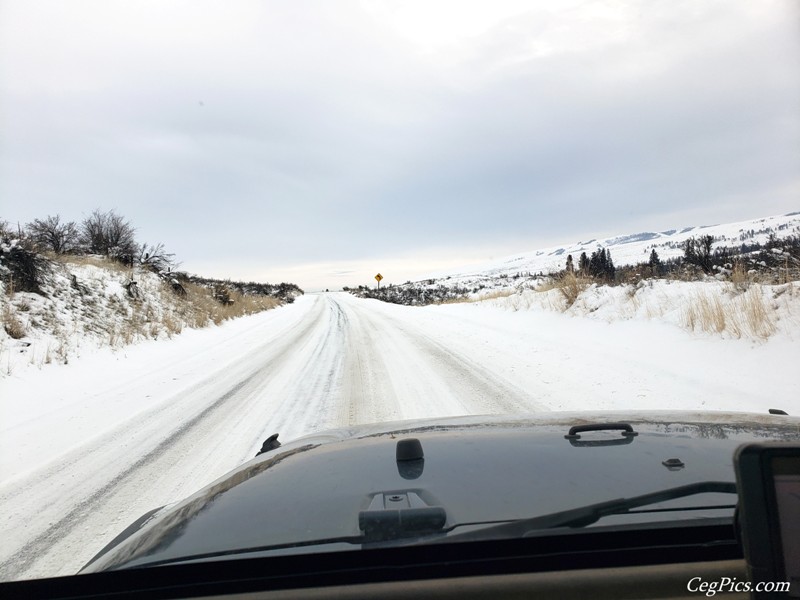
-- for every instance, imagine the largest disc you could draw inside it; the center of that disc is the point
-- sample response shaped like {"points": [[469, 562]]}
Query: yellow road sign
{"points": [[378, 277]]}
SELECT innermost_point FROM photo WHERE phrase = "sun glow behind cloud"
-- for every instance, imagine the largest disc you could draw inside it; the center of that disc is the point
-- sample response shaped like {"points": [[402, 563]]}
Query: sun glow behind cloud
{"points": [[436, 25], [334, 275]]}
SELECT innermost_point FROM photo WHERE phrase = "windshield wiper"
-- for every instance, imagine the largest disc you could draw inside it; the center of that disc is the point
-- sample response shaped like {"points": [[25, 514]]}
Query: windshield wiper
{"points": [[586, 515], [433, 532]]}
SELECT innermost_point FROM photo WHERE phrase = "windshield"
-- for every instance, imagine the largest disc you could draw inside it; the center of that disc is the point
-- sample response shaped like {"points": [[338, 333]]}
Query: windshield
{"points": [[227, 220]]}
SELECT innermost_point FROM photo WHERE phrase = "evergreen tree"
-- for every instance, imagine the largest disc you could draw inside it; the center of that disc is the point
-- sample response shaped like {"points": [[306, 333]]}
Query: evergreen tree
{"points": [[583, 264], [601, 265], [594, 263], [570, 266], [611, 270], [655, 263]]}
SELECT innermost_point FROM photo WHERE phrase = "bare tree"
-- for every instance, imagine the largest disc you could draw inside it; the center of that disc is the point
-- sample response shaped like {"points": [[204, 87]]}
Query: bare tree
{"points": [[54, 235], [698, 252], [6, 231], [109, 234]]}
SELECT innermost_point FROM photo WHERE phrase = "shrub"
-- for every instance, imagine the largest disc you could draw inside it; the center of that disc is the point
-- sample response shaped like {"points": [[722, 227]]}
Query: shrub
{"points": [[109, 234], [570, 287], [156, 259], [54, 235], [20, 268]]}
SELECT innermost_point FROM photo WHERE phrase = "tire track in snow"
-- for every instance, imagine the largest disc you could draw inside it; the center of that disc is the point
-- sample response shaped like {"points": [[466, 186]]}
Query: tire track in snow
{"points": [[398, 370], [182, 402], [368, 393], [483, 391], [309, 402], [37, 548], [39, 545], [345, 361]]}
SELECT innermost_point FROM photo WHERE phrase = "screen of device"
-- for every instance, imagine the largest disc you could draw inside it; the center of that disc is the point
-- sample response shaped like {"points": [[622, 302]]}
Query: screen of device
{"points": [[768, 484], [786, 478]]}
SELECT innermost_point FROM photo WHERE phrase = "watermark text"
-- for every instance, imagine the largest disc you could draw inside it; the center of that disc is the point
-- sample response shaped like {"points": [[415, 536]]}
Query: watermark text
{"points": [[729, 585]]}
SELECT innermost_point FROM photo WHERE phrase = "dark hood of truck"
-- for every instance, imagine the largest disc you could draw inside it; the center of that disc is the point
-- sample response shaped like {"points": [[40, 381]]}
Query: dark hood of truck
{"points": [[477, 469]]}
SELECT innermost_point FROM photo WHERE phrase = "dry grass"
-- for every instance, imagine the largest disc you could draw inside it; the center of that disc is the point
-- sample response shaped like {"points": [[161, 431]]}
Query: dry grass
{"points": [[91, 259], [248, 305], [571, 287], [746, 315], [752, 314], [12, 325], [790, 271], [173, 325], [461, 300], [62, 352], [505, 293], [497, 294], [199, 306], [740, 278], [704, 313], [547, 285]]}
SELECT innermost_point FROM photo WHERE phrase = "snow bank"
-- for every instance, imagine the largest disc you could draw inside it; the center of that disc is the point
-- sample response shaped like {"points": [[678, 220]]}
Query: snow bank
{"points": [[716, 308], [89, 303], [84, 307]]}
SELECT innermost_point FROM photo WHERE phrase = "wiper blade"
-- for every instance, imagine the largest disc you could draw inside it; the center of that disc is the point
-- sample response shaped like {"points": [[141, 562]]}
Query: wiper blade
{"points": [[240, 552], [586, 515], [433, 532]]}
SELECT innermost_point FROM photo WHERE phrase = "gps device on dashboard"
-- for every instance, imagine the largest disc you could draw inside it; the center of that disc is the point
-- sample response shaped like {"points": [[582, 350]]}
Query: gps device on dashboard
{"points": [[768, 483]]}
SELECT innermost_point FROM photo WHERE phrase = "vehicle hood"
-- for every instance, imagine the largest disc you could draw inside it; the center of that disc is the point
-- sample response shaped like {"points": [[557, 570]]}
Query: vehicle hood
{"points": [[478, 469]]}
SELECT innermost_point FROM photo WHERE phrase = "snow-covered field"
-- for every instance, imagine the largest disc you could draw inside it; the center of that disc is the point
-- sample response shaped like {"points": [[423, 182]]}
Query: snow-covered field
{"points": [[626, 249], [88, 447]]}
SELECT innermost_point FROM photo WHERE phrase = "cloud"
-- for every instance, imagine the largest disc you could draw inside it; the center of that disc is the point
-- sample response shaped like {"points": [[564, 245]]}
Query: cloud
{"points": [[303, 135]]}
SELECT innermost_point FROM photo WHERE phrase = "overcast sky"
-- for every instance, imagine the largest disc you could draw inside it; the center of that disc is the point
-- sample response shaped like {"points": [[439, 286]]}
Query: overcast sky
{"points": [[322, 142]]}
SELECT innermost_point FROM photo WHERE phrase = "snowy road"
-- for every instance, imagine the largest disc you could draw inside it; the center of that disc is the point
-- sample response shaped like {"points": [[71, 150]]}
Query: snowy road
{"points": [[327, 361], [87, 448]]}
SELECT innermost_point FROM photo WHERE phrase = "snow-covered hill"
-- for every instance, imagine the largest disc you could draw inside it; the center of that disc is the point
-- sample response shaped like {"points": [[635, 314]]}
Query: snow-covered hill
{"points": [[87, 303], [627, 249], [751, 291]]}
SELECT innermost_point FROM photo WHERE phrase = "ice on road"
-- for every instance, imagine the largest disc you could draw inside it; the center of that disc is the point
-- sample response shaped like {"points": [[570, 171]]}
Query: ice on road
{"points": [[87, 448]]}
